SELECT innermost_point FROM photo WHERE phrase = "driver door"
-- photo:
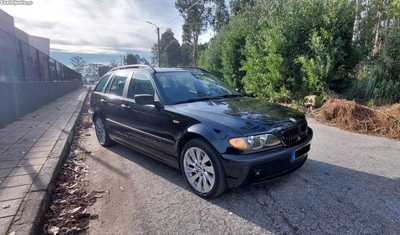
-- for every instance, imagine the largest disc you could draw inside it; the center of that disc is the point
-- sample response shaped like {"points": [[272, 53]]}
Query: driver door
{"points": [[143, 123]]}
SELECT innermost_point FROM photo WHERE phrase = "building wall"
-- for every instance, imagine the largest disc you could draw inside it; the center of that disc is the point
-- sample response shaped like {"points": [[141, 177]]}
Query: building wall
{"points": [[9, 66], [27, 58], [25, 54], [42, 44], [103, 70], [6, 22], [20, 98]]}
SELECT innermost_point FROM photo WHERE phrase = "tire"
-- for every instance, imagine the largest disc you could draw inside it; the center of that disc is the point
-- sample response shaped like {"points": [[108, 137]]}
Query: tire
{"points": [[202, 169], [102, 133]]}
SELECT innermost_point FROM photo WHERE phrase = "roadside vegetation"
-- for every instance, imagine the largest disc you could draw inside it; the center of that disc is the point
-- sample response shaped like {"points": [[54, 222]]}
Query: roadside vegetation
{"points": [[348, 115], [282, 51]]}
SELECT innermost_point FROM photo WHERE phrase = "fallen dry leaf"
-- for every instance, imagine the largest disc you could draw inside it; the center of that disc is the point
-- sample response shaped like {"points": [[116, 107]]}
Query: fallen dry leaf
{"points": [[69, 201], [72, 186], [73, 211], [53, 230], [6, 206]]}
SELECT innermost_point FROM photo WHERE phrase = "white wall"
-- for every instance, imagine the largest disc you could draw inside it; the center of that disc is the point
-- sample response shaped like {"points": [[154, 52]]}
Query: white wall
{"points": [[9, 70], [42, 44], [6, 22]]}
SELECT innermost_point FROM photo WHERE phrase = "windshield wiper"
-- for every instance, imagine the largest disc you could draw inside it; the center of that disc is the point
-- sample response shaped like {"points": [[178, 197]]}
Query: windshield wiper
{"points": [[229, 96], [207, 98], [197, 99]]}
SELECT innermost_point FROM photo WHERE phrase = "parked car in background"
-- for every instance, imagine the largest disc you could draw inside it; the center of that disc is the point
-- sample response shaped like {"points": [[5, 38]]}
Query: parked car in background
{"points": [[195, 122]]}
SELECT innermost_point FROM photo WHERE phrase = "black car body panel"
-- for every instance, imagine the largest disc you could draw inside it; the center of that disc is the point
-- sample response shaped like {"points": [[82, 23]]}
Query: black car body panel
{"points": [[160, 130], [247, 116]]}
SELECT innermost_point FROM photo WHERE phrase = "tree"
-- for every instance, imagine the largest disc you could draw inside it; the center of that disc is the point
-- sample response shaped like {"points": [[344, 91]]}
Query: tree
{"points": [[166, 38], [225, 54], [171, 55], [169, 49], [240, 5], [78, 64], [220, 16], [195, 19], [186, 54], [130, 59], [92, 69], [279, 50], [113, 64], [154, 57], [143, 61], [134, 59]]}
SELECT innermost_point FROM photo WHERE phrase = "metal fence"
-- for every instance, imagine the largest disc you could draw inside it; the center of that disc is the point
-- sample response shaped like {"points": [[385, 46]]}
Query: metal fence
{"points": [[21, 62]]}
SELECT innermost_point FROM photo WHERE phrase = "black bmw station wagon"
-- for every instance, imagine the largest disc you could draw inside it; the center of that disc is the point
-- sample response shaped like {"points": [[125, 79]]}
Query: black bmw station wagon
{"points": [[195, 122]]}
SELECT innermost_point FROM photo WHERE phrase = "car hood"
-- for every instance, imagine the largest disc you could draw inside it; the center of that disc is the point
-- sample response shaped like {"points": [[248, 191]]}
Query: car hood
{"points": [[246, 115]]}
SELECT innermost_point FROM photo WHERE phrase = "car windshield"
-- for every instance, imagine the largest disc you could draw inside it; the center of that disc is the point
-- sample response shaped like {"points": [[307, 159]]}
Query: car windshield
{"points": [[182, 87]]}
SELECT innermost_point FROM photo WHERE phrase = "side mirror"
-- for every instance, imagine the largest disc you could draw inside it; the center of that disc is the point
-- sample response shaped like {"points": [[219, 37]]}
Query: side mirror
{"points": [[144, 99]]}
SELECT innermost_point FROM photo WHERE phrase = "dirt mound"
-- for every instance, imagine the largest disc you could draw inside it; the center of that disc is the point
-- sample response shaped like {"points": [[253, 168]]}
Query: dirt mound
{"points": [[351, 116]]}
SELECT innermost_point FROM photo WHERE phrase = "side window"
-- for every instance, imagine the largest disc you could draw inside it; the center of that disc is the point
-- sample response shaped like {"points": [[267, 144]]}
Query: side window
{"points": [[140, 84], [102, 83], [118, 83]]}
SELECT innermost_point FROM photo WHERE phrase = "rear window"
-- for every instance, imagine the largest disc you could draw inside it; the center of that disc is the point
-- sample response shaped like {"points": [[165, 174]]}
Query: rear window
{"points": [[102, 83]]}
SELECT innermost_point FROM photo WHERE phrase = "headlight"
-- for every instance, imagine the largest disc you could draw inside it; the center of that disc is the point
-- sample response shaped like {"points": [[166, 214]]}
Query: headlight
{"points": [[256, 142]]}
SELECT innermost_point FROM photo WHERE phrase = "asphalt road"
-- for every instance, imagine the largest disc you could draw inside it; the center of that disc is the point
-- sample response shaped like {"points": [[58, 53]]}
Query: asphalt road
{"points": [[349, 185]]}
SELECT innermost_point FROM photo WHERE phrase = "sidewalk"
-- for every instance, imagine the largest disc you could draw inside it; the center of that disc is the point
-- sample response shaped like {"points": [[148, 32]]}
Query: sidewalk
{"points": [[30, 151]]}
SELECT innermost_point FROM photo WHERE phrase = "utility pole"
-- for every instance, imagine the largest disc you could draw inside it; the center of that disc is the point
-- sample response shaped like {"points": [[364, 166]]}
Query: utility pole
{"points": [[158, 44]]}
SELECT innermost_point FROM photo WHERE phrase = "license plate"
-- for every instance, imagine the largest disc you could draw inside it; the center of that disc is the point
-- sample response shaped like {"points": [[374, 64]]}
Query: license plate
{"points": [[300, 152]]}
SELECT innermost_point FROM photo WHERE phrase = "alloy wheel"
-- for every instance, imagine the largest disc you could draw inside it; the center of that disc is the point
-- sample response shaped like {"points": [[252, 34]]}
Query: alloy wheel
{"points": [[199, 170], [100, 131]]}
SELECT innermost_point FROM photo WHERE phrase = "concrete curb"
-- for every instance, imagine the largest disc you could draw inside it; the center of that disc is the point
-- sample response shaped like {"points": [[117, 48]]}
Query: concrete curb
{"points": [[31, 214]]}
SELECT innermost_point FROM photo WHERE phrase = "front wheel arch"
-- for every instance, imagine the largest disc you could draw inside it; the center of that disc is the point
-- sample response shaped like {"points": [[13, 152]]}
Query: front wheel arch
{"points": [[188, 137], [220, 184]]}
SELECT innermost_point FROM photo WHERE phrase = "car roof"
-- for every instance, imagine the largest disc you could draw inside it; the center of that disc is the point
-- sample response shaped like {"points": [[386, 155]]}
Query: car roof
{"points": [[156, 69], [179, 69]]}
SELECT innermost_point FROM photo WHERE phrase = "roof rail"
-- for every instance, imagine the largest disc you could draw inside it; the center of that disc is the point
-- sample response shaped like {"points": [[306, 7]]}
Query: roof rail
{"points": [[194, 68], [133, 66]]}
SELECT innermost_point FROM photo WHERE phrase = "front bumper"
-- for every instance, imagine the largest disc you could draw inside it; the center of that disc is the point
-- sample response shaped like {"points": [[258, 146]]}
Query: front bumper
{"points": [[243, 170]]}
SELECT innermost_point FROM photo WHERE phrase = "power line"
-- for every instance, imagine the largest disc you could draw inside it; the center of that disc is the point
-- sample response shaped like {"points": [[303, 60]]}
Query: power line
{"points": [[181, 14], [171, 21]]}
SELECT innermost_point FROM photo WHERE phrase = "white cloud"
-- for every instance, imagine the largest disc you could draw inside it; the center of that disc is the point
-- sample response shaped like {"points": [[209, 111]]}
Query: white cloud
{"points": [[97, 26]]}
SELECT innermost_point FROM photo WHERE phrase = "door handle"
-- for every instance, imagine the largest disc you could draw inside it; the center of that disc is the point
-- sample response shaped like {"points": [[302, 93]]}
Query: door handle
{"points": [[125, 106], [103, 101]]}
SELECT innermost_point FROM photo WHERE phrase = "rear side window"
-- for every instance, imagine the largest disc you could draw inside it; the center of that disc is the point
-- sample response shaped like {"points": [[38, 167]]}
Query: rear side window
{"points": [[140, 84], [102, 83], [118, 83]]}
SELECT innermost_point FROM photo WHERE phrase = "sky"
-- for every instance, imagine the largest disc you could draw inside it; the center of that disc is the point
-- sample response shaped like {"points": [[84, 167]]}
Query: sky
{"points": [[98, 30]]}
